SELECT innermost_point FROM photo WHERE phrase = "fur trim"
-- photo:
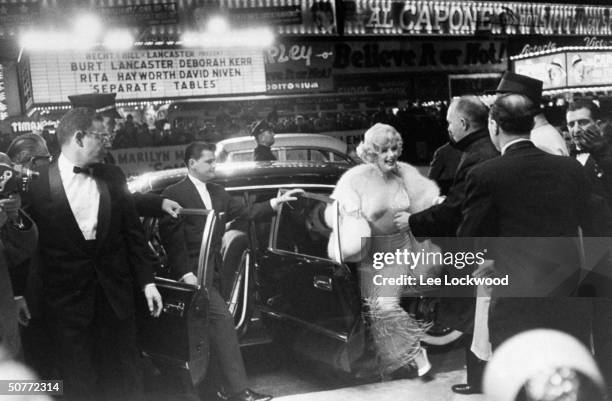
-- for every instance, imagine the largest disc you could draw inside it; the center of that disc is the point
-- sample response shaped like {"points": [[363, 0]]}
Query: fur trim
{"points": [[422, 191], [353, 184]]}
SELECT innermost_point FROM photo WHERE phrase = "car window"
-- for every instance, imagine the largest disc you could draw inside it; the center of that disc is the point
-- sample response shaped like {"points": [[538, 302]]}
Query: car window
{"points": [[307, 154], [302, 228], [261, 233], [340, 158]]}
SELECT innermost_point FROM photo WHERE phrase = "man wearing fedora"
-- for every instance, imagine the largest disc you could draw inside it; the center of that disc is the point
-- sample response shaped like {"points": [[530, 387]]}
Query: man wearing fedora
{"points": [[543, 135], [104, 104]]}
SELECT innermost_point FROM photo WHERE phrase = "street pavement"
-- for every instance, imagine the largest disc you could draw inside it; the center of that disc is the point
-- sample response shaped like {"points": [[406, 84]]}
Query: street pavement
{"points": [[296, 380], [275, 371]]}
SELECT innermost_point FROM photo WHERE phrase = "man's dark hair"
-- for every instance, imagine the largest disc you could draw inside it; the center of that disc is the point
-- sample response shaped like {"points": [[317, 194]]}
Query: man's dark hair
{"points": [[25, 147], [194, 150], [79, 119], [514, 113], [259, 127], [473, 109], [584, 103]]}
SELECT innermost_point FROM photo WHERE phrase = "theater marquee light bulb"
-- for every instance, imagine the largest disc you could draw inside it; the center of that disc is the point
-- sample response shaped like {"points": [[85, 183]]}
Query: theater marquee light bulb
{"points": [[118, 40], [87, 25], [217, 24]]}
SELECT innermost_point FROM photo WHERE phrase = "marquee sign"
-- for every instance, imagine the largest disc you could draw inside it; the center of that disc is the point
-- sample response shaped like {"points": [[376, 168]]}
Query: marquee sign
{"points": [[411, 17], [146, 74], [569, 67], [3, 105]]}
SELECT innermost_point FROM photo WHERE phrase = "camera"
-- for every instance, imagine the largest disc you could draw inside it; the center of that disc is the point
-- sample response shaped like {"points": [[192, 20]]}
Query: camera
{"points": [[14, 178]]}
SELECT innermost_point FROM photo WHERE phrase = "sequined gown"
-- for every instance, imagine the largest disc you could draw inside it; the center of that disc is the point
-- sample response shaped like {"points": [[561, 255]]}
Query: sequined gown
{"points": [[377, 199]]}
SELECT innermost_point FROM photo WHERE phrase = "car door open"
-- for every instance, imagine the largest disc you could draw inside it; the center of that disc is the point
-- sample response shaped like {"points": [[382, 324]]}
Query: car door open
{"points": [[178, 339]]}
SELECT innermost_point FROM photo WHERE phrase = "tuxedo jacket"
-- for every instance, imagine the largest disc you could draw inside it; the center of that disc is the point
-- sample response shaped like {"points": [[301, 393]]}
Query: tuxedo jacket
{"points": [[182, 237], [70, 267], [599, 171]]}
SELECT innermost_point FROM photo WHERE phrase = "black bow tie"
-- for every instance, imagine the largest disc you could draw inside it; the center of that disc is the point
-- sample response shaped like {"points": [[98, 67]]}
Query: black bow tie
{"points": [[82, 170]]}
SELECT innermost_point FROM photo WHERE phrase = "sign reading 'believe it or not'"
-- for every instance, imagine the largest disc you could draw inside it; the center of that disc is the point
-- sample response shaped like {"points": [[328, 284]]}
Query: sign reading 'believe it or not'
{"points": [[146, 74]]}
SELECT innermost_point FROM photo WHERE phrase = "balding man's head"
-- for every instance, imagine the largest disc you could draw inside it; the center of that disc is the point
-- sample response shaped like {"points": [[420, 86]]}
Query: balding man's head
{"points": [[466, 114], [511, 116], [29, 150]]}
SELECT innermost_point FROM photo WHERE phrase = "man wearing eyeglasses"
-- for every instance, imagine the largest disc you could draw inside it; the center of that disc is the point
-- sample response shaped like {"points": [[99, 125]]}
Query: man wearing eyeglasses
{"points": [[104, 103], [91, 250]]}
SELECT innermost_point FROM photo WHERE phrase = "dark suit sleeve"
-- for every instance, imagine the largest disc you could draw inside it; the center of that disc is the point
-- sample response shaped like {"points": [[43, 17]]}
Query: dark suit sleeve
{"points": [[172, 233], [443, 220], [236, 209], [138, 255], [19, 248], [148, 205], [478, 212]]}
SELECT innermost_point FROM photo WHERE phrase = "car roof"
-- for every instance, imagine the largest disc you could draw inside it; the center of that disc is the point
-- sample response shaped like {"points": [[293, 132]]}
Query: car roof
{"points": [[247, 174], [285, 140]]}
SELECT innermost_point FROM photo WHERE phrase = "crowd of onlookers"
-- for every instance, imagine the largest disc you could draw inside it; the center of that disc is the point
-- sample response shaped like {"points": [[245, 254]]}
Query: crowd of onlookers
{"points": [[423, 128]]}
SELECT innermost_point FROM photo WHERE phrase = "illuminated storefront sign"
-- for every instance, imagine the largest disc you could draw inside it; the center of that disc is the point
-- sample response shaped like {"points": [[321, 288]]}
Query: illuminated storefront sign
{"points": [[467, 18], [299, 68], [20, 127], [405, 56], [142, 14], [3, 105], [571, 68], [146, 74]]}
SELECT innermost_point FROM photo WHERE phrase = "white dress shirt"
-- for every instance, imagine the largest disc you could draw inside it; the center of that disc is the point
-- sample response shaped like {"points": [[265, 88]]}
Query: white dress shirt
{"points": [[83, 196], [202, 190], [582, 158], [512, 142]]}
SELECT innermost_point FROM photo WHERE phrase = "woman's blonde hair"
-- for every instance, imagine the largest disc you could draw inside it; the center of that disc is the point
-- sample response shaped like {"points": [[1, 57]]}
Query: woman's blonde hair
{"points": [[378, 136]]}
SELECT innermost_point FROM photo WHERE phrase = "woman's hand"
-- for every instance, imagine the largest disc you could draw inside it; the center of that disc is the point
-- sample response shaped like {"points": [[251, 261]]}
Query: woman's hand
{"points": [[401, 221]]}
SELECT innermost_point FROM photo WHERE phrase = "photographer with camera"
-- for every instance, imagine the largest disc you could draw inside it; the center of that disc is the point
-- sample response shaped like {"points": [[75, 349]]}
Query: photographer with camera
{"points": [[18, 238]]}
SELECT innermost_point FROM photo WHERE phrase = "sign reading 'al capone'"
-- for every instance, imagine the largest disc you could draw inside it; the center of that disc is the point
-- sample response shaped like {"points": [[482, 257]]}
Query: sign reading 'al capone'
{"points": [[146, 74]]}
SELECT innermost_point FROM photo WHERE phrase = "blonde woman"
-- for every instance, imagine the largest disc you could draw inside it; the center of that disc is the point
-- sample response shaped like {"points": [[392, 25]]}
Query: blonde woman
{"points": [[375, 200]]}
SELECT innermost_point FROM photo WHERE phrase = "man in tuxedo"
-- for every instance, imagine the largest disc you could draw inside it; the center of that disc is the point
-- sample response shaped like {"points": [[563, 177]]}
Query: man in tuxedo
{"points": [[91, 251], [182, 238], [594, 149], [151, 205], [467, 129], [534, 202], [264, 136]]}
